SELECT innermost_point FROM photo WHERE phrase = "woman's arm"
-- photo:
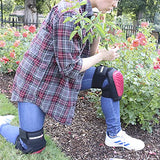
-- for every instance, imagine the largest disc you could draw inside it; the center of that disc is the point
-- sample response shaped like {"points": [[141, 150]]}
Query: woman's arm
{"points": [[94, 46], [103, 55]]}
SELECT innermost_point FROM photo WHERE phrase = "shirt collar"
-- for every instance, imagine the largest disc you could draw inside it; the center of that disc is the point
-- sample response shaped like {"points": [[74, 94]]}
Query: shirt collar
{"points": [[87, 7]]}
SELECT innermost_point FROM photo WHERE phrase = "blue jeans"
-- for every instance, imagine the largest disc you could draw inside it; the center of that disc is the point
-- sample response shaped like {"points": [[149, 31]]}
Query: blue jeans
{"points": [[31, 117]]}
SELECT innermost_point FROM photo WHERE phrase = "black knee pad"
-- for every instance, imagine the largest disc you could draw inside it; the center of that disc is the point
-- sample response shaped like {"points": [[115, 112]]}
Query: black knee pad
{"points": [[34, 140], [114, 89]]}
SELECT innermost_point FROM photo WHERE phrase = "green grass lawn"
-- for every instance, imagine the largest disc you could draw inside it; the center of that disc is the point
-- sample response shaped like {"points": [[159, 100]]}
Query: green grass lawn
{"points": [[8, 151]]}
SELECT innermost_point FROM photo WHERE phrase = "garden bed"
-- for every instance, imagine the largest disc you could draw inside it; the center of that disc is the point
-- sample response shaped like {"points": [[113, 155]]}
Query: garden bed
{"points": [[84, 139]]}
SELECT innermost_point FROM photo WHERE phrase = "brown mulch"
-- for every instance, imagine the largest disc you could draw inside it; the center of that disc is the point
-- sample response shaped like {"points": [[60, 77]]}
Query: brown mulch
{"points": [[84, 139]]}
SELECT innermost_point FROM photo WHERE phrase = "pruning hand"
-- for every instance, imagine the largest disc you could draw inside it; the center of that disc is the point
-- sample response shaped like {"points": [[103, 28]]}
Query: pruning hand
{"points": [[110, 54]]}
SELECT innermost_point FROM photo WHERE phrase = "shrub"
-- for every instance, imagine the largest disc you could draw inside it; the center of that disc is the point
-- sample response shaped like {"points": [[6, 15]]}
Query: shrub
{"points": [[139, 63], [13, 44]]}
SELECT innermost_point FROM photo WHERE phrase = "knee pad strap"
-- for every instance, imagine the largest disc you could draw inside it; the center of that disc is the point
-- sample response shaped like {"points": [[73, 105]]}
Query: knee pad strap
{"points": [[34, 140], [99, 76]]}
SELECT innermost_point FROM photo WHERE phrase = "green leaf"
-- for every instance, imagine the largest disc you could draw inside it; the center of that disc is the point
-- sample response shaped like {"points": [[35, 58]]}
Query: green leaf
{"points": [[72, 34], [84, 13], [100, 30], [80, 33], [77, 21], [67, 19], [88, 20], [83, 3], [90, 37], [85, 39], [77, 28], [88, 27]]}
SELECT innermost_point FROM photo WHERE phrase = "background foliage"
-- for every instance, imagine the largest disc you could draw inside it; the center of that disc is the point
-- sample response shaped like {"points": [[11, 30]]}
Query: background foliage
{"points": [[138, 9], [13, 44]]}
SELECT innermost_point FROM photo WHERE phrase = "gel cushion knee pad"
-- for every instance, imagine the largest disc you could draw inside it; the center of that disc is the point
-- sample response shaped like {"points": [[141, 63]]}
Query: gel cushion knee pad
{"points": [[118, 81], [114, 89]]}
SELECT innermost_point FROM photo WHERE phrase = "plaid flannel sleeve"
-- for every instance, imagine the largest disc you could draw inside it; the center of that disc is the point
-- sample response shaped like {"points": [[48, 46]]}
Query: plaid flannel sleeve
{"points": [[67, 52]]}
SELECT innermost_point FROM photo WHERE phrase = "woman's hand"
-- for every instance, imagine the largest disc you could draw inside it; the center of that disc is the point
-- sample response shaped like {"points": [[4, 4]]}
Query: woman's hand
{"points": [[110, 54], [103, 55]]}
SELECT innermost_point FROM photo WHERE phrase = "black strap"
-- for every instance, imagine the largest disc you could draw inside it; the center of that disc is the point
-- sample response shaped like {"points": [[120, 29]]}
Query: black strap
{"points": [[34, 140]]}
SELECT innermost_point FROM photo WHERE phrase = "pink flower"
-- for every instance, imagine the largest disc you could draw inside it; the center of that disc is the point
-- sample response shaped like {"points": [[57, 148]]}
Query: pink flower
{"points": [[143, 41], [136, 43], [144, 24], [119, 32], [17, 62], [16, 43], [17, 34], [32, 28], [156, 65], [12, 54], [142, 38], [26, 27], [159, 52], [2, 43], [158, 59], [140, 35], [25, 34]]}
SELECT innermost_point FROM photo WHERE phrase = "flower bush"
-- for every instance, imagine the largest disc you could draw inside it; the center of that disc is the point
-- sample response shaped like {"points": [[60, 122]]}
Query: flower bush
{"points": [[139, 63], [13, 45]]}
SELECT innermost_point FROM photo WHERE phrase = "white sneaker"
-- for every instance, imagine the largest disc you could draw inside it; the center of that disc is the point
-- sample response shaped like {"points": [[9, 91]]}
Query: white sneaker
{"points": [[6, 119], [124, 140]]}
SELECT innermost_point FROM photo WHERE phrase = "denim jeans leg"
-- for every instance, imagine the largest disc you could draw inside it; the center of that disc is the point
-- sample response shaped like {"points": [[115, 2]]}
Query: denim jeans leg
{"points": [[110, 108], [31, 117], [9, 132], [111, 111]]}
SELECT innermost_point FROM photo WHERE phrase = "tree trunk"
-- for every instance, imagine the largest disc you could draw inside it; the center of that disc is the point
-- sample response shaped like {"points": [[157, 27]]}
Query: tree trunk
{"points": [[119, 10], [139, 16], [31, 15]]}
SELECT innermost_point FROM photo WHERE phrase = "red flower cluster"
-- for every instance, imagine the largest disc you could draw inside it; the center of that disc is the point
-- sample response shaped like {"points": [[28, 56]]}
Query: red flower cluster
{"points": [[144, 24], [31, 28], [25, 34], [140, 40], [4, 59]]}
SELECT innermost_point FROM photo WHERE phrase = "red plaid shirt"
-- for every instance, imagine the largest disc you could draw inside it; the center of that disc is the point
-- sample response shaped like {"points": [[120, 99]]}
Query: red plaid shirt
{"points": [[49, 74]]}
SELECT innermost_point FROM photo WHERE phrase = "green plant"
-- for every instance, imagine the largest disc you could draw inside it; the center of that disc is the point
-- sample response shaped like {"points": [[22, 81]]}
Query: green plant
{"points": [[139, 64], [13, 45]]}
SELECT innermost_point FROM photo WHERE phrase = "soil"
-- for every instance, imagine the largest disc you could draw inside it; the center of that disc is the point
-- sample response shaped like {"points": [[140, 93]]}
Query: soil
{"points": [[84, 139]]}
